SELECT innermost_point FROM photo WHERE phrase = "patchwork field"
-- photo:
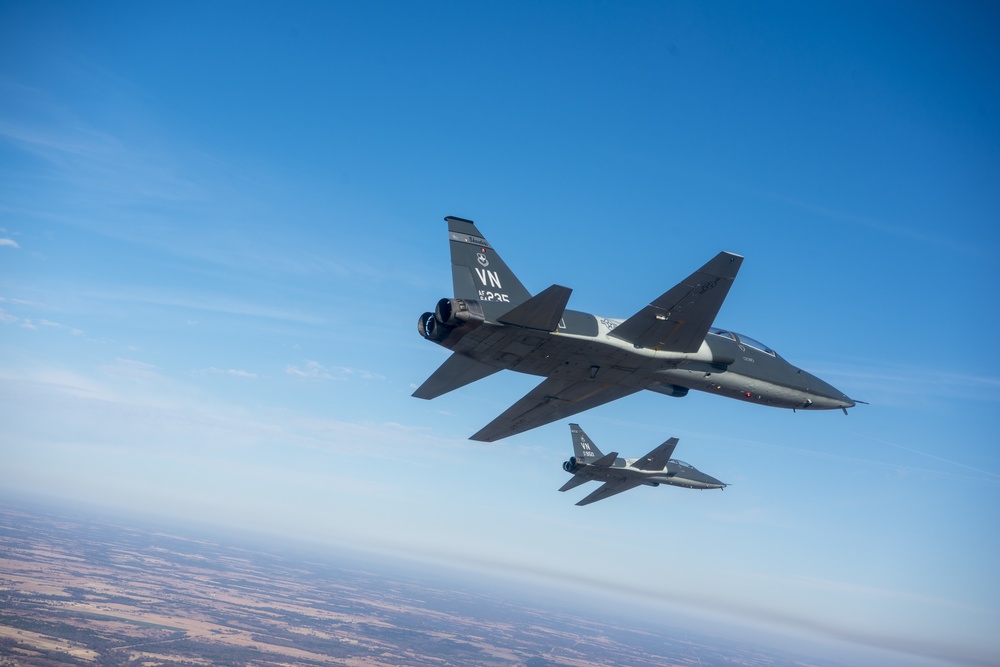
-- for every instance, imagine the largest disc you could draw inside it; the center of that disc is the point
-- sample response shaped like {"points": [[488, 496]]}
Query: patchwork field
{"points": [[83, 592]]}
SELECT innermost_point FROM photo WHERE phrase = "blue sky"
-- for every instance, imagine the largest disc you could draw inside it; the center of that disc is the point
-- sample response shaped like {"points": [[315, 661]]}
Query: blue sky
{"points": [[219, 223]]}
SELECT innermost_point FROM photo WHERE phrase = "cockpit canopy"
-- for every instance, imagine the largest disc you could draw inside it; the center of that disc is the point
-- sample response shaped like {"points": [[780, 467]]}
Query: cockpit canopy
{"points": [[743, 340]]}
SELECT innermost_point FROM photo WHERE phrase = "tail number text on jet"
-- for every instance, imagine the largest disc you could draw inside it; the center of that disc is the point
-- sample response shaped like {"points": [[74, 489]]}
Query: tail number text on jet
{"points": [[492, 280]]}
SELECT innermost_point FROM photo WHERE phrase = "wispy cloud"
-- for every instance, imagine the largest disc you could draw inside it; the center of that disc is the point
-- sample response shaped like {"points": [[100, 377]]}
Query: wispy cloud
{"points": [[896, 468], [358, 372], [994, 476], [232, 372], [212, 303], [135, 182], [9, 243], [19, 302], [899, 384], [131, 398], [84, 156], [911, 233], [32, 325], [753, 614], [56, 325], [864, 591], [313, 370], [131, 368]]}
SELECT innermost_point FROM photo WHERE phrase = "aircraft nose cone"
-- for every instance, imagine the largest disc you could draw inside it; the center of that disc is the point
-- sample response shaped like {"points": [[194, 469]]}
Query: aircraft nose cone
{"points": [[709, 482], [827, 397], [840, 399]]}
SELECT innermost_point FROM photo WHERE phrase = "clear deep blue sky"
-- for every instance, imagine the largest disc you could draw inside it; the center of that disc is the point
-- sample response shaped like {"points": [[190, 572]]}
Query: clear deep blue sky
{"points": [[219, 223]]}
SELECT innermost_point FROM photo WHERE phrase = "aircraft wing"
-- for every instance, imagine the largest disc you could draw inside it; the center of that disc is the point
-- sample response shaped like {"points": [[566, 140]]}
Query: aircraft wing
{"points": [[457, 371], [657, 459], [680, 318], [551, 400], [574, 482], [609, 489]]}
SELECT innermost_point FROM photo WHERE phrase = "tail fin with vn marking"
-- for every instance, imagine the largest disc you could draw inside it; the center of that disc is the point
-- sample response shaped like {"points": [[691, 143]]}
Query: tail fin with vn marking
{"points": [[584, 450], [478, 272]]}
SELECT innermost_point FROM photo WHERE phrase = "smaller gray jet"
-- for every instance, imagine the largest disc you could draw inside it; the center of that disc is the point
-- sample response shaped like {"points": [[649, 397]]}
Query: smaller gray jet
{"points": [[619, 475]]}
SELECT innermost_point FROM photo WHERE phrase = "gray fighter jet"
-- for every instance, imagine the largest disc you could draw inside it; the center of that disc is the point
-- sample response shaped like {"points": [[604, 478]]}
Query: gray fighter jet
{"points": [[619, 475], [669, 347]]}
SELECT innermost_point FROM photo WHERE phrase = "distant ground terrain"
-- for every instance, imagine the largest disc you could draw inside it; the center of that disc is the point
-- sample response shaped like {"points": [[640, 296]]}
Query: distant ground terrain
{"points": [[77, 591]]}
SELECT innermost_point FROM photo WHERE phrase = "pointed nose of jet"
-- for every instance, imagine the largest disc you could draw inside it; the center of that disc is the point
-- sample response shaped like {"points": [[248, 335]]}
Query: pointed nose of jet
{"points": [[704, 481], [824, 396]]}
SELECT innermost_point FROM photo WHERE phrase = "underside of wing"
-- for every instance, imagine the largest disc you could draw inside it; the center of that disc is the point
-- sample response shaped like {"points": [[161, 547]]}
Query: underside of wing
{"points": [[609, 489], [551, 400], [680, 318], [457, 371]]}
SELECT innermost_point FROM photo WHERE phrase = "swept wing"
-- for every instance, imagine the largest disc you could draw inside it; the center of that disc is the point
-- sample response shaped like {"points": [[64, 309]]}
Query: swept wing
{"points": [[554, 398], [680, 318], [657, 459], [609, 489], [574, 481], [677, 321], [457, 371]]}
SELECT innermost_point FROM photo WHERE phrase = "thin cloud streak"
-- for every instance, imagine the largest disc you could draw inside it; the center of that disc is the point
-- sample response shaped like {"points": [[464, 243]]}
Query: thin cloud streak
{"points": [[878, 382], [207, 303], [313, 370], [233, 372], [737, 613], [993, 475], [909, 233]]}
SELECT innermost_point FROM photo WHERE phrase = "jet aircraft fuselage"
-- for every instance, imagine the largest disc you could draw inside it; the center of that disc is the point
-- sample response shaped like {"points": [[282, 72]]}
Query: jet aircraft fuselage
{"points": [[676, 473], [589, 463], [669, 347]]}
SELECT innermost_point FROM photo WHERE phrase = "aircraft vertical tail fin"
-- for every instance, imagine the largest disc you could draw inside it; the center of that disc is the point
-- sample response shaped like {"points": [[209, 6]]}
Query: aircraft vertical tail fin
{"points": [[478, 272], [584, 450]]}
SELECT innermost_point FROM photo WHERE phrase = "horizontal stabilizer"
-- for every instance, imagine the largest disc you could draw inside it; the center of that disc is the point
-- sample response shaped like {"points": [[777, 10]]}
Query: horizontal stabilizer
{"points": [[457, 371], [576, 481], [680, 318], [542, 311], [606, 461]]}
